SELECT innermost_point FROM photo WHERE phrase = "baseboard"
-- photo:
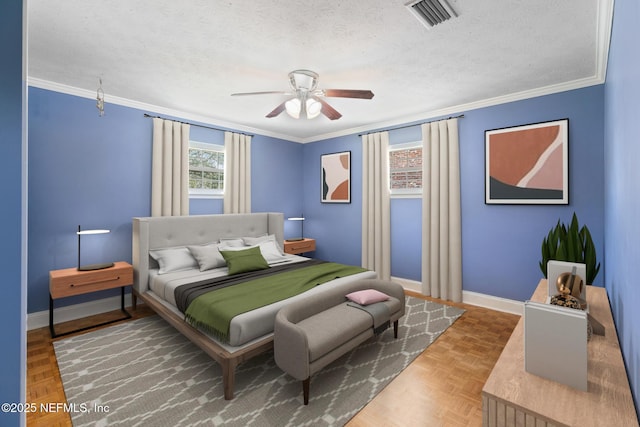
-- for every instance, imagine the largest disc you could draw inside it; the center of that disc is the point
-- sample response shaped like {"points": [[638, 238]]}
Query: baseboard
{"points": [[473, 298], [40, 319], [494, 303], [409, 285]]}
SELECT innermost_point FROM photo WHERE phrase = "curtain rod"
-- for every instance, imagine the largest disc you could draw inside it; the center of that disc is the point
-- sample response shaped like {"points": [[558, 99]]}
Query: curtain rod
{"points": [[193, 124], [409, 126]]}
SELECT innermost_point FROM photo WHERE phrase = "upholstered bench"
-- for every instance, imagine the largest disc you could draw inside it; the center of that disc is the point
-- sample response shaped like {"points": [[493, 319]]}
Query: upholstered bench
{"points": [[312, 332]]}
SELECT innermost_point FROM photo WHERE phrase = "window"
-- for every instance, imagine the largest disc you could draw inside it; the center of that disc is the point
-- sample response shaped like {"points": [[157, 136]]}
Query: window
{"points": [[405, 169], [206, 169]]}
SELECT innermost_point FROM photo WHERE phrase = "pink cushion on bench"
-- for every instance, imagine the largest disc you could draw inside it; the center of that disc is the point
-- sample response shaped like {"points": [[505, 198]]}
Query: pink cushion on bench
{"points": [[367, 296]]}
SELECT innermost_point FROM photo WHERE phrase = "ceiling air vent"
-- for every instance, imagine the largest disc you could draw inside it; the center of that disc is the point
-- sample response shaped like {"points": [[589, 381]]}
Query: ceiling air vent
{"points": [[431, 12]]}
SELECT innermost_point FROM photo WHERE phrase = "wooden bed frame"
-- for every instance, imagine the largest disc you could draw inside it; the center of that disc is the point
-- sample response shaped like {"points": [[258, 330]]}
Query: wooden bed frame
{"points": [[163, 232], [227, 361]]}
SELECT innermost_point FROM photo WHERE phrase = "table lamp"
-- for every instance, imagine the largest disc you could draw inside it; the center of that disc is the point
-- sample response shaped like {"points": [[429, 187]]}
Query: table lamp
{"points": [[301, 219], [90, 267]]}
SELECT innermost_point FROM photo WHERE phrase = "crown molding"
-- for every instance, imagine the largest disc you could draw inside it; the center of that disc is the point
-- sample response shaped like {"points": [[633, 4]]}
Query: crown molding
{"points": [[430, 115], [518, 96], [604, 22], [155, 109], [603, 37]]}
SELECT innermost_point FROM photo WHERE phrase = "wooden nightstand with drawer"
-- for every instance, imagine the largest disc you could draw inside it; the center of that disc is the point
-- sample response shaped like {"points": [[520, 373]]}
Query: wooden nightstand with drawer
{"points": [[299, 246], [69, 282]]}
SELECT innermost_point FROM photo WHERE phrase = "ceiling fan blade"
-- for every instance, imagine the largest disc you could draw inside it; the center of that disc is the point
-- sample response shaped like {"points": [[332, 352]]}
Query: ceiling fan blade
{"points": [[271, 92], [279, 109], [348, 93], [328, 110]]}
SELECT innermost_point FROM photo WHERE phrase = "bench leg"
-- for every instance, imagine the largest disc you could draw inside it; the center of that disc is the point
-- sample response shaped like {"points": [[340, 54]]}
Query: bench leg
{"points": [[305, 390], [395, 329]]}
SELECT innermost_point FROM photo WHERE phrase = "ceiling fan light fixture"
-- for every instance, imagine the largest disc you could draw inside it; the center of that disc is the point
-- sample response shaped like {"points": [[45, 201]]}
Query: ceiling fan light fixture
{"points": [[305, 80], [307, 100], [313, 108], [293, 107]]}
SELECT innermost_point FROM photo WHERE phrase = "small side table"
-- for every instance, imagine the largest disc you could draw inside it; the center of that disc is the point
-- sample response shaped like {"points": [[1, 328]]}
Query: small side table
{"points": [[299, 246], [69, 282]]}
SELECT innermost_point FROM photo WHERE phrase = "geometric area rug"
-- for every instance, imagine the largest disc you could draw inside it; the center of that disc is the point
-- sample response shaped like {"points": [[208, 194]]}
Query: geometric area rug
{"points": [[145, 373]]}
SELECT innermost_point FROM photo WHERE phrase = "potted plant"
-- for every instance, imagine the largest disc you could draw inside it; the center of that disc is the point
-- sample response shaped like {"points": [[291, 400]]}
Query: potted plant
{"points": [[572, 244]]}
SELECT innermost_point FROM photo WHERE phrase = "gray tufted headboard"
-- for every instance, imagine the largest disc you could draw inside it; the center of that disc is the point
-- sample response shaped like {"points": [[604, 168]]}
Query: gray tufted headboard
{"points": [[163, 232]]}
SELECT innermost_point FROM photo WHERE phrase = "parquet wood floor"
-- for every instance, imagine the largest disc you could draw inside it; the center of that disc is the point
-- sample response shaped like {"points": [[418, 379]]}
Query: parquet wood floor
{"points": [[440, 388], [44, 384]]}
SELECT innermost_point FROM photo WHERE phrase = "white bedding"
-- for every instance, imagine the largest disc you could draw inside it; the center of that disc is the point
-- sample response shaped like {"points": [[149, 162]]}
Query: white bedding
{"points": [[247, 326]]}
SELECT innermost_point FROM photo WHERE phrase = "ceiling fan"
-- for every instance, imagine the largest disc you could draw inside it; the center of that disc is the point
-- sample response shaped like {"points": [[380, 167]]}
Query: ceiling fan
{"points": [[307, 99]]}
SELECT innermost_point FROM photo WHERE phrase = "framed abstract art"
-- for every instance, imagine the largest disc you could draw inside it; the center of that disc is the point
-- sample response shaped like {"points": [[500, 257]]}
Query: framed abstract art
{"points": [[336, 177], [528, 164]]}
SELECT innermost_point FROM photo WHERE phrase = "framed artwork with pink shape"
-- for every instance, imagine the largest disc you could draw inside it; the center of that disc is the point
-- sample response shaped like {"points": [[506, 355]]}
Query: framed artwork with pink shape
{"points": [[336, 177], [528, 164]]}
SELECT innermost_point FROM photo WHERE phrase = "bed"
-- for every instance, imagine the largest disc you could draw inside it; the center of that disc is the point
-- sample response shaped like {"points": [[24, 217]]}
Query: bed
{"points": [[249, 333]]}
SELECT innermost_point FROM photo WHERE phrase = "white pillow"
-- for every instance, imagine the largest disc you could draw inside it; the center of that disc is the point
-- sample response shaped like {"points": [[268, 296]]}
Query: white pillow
{"points": [[232, 242], [252, 241], [173, 259], [207, 256], [269, 250]]}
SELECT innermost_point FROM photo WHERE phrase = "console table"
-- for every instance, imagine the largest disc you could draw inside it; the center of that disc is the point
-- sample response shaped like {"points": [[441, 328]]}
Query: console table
{"points": [[513, 397]]}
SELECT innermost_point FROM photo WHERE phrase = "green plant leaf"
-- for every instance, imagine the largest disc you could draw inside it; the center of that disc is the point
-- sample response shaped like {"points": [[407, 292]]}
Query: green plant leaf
{"points": [[561, 253], [573, 244], [589, 255]]}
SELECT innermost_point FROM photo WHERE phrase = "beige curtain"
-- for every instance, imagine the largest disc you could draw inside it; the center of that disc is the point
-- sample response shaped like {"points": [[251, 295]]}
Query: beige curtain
{"points": [[170, 168], [441, 222], [237, 173], [376, 214]]}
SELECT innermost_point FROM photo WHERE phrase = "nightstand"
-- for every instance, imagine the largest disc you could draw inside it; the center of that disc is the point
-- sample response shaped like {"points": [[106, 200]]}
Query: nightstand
{"points": [[299, 246], [70, 282]]}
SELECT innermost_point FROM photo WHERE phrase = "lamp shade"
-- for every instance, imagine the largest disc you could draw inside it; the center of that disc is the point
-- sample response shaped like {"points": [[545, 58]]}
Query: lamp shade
{"points": [[89, 267], [293, 107], [96, 231], [301, 219], [313, 108]]}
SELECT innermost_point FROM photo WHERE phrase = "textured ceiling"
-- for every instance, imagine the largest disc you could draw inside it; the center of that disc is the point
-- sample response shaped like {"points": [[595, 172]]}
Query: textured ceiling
{"points": [[189, 56]]}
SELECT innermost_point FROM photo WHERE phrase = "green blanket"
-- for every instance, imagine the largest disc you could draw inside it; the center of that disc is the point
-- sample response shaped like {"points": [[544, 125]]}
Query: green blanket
{"points": [[213, 311]]}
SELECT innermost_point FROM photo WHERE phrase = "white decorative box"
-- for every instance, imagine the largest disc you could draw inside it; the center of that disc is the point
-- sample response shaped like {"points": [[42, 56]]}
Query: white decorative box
{"points": [[555, 343]]}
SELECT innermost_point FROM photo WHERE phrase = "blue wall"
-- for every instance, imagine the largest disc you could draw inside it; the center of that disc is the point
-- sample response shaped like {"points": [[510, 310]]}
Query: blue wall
{"points": [[337, 227], [276, 171], [502, 242], [622, 178], [499, 242], [96, 172], [83, 170], [276, 178], [12, 322]]}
